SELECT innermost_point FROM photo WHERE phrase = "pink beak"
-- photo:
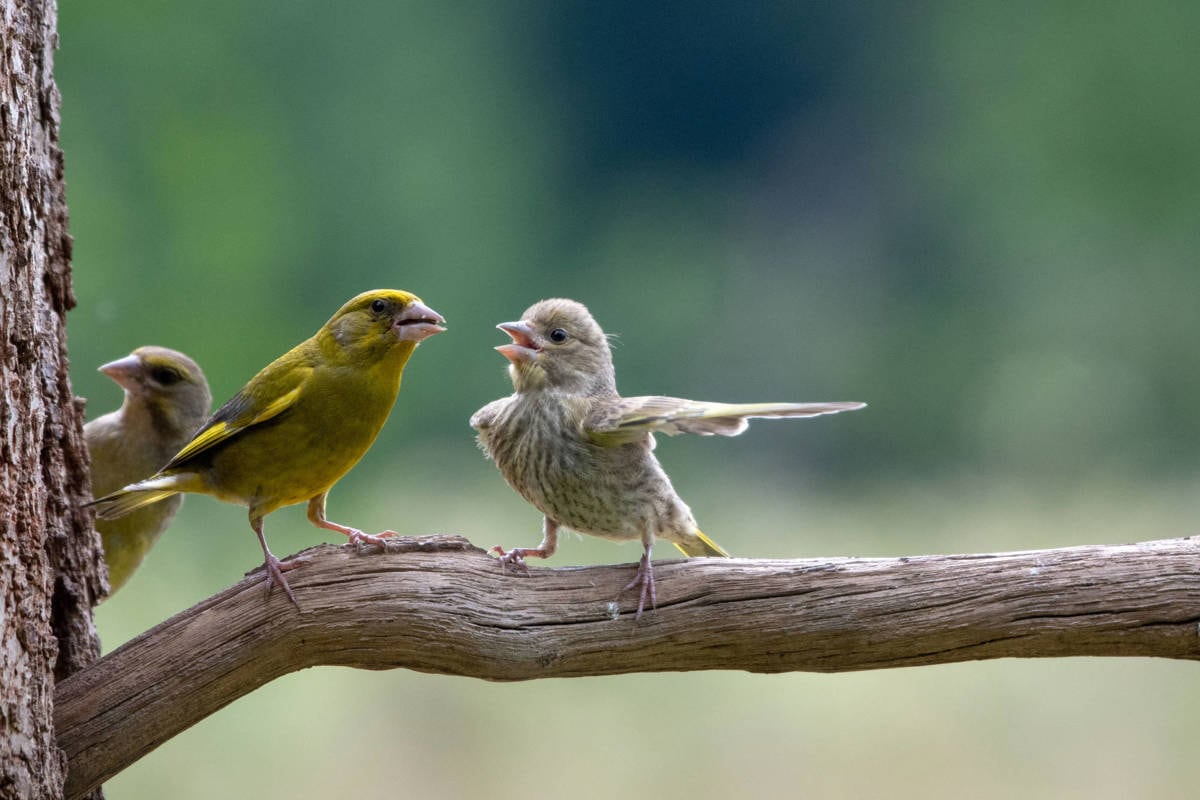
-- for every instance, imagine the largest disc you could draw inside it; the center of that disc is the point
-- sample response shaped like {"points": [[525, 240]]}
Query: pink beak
{"points": [[417, 322], [125, 371], [522, 349]]}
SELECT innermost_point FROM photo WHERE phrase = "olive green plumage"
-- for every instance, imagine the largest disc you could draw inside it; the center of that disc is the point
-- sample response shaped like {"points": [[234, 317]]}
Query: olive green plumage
{"points": [[166, 401], [301, 423], [583, 455]]}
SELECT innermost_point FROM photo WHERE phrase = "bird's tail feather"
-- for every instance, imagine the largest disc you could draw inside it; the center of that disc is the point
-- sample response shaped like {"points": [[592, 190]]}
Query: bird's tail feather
{"points": [[702, 546], [134, 496], [120, 503]]}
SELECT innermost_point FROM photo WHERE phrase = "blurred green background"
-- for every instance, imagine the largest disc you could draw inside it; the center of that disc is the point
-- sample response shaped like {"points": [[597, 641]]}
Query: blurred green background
{"points": [[980, 218]]}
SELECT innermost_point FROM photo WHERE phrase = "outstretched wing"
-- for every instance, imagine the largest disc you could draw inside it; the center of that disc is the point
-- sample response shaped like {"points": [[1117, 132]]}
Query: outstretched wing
{"points": [[630, 418], [267, 395]]}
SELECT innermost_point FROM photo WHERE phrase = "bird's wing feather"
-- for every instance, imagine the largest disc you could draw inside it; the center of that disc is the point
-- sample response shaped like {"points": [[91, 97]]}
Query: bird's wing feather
{"points": [[630, 418], [485, 416], [245, 409]]}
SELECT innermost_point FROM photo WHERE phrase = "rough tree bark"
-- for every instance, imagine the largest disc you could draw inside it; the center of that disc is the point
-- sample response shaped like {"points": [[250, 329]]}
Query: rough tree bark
{"points": [[441, 605], [49, 555]]}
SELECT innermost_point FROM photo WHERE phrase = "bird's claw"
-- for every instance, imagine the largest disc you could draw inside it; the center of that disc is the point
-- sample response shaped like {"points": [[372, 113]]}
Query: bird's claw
{"points": [[275, 569], [357, 537], [645, 580], [514, 557]]}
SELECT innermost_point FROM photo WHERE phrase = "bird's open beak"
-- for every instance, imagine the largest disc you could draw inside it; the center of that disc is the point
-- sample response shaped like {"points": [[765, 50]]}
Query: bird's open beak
{"points": [[125, 371], [417, 322], [522, 349]]}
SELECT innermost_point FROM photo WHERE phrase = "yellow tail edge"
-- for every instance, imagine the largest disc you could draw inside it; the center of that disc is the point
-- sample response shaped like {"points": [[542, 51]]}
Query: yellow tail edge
{"points": [[118, 504], [704, 547]]}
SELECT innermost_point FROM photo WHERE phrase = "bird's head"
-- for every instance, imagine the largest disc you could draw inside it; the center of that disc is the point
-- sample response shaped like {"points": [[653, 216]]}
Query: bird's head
{"points": [[558, 345], [167, 383], [373, 323]]}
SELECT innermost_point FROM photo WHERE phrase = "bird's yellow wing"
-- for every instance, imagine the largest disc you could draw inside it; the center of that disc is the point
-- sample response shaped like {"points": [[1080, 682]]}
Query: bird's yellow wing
{"points": [[269, 394], [630, 418]]}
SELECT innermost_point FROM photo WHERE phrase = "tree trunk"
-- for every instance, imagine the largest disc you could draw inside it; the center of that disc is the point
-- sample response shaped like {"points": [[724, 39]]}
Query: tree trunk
{"points": [[50, 573]]}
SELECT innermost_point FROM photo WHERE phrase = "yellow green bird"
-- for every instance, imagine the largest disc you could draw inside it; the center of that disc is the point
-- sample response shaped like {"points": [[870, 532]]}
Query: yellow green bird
{"points": [[166, 401], [583, 455], [300, 424]]}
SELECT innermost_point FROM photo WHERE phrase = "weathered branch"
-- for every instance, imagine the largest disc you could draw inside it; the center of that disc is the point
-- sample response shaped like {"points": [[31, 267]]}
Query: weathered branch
{"points": [[440, 605]]}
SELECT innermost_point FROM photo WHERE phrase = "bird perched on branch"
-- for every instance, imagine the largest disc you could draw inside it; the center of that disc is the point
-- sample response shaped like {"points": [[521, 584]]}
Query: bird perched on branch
{"points": [[583, 455], [166, 401], [300, 424]]}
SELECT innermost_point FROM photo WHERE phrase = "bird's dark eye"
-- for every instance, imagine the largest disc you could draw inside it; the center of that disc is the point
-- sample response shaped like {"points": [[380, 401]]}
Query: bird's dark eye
{"points": [[558, 336], [378, 306], [165, 376]]}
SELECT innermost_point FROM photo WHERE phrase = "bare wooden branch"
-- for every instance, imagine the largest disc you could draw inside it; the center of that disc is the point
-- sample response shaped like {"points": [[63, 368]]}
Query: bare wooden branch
{"points": [[438, 604]]}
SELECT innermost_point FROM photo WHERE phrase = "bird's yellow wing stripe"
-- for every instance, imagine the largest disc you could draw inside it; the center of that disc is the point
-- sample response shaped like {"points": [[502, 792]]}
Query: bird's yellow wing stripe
{"points": [[206, 439], [276, 407], [220, 431]]}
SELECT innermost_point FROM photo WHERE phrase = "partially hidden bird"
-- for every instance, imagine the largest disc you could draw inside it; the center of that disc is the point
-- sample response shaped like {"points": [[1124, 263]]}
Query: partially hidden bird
{"points": [[300, 424], [166, 401], [583, 455]]}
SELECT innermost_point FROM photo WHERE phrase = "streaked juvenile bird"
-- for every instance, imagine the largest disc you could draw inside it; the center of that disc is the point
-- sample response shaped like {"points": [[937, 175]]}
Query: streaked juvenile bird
{"points": [[166, 401], [583, 455], [300, 424]]}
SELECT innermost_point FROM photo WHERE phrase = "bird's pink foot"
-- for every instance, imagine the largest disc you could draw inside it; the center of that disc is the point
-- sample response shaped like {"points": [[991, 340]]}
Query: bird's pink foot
{"points": [[516, 556], [275, 569], [645, 582], [355, 536]]}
